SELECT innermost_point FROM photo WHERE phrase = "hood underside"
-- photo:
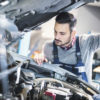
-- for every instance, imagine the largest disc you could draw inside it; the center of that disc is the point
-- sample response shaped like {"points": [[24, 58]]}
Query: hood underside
{"points": [[28, 14]]}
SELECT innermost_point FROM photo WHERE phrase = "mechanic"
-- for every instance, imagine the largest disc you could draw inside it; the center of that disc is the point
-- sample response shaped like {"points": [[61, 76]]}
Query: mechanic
{"points": [[74, 52]]}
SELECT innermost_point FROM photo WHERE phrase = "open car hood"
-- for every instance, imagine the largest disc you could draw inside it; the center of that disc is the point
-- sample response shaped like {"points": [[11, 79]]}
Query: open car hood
{"points": [[28, 14]]}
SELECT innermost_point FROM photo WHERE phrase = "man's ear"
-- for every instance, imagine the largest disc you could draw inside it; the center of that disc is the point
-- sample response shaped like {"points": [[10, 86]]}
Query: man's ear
{"points": [[73, 33]]}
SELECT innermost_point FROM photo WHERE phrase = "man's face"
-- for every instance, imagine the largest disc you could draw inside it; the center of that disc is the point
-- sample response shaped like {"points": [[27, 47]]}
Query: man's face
{"points": [[63, 36]]}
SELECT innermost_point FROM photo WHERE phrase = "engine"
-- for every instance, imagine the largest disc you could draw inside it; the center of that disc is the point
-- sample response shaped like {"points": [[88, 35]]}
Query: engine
{"points": [[27, 81], [51, 89]]}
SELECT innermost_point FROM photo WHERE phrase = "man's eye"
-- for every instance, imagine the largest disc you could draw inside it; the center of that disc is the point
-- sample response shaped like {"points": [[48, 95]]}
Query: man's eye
{"points": [[62, 33]]}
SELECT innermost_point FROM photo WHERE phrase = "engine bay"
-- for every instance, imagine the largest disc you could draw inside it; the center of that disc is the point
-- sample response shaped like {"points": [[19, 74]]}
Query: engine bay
{"points": [[28, 81]]}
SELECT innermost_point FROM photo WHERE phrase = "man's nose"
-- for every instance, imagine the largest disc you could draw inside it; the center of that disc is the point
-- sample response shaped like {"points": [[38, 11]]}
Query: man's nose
{"points": [[57, 36]]}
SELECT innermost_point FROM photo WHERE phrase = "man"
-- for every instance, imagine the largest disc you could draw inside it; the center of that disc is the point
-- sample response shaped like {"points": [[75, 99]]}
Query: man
{"points": [[74, 52]]}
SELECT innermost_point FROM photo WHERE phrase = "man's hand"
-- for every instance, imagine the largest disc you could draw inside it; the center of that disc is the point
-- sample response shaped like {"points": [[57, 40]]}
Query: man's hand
{"points": [[39, 58]]}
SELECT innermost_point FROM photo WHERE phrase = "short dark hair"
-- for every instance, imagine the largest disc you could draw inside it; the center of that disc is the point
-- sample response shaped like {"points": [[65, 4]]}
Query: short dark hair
{"points": [[65, 17]]}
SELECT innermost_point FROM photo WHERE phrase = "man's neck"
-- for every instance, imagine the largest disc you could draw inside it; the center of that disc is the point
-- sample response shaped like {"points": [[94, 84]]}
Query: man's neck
{"points": [[69, 45]]}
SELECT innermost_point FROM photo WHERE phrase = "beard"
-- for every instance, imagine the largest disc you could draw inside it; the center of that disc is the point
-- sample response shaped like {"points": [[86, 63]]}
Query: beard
{"points": [[60, 43]]}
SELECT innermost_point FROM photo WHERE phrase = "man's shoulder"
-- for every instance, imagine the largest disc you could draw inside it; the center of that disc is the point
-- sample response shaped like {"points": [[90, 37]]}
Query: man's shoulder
{"points": [[87, 36], [85, 40], [84, 37]]}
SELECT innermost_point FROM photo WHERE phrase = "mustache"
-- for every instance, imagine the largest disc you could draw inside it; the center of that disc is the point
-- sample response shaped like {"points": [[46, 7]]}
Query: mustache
{"points": [[57, 40]]}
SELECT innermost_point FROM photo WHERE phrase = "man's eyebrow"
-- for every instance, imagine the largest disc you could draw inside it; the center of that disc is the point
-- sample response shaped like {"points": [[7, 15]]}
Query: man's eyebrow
{"points": [[59, 32], [62, 32]]}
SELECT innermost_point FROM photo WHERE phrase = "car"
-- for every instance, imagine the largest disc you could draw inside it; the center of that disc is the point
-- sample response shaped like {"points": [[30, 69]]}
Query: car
{"points": [[20, 77]]}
